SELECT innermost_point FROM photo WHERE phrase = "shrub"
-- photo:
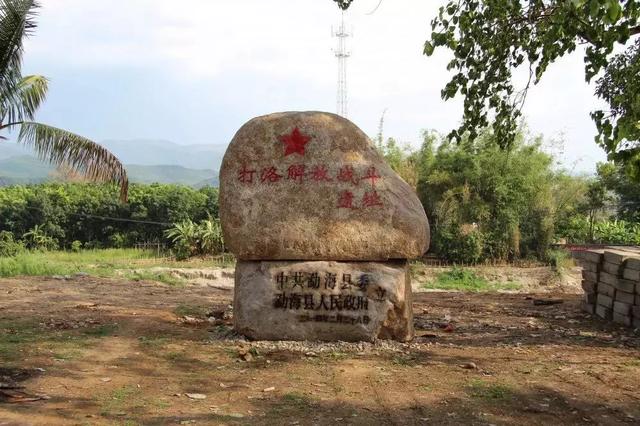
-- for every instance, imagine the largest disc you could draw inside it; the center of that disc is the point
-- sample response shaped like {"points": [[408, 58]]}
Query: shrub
{"points": [[189, 239], [559, 260], [9, 247], [459, 244], [37, 239], [76, 246]]}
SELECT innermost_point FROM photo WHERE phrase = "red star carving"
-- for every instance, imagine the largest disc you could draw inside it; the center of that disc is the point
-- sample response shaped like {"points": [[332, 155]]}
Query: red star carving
{"points": [[295, 142]]}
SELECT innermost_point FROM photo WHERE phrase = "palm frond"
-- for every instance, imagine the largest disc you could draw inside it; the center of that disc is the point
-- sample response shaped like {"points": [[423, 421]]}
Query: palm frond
{"points": [[16, 22], [61, 147], [23, 102]]}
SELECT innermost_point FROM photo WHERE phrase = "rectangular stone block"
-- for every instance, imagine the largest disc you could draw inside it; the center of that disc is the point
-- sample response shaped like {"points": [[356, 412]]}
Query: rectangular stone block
{"points": [[606, 289], [593, 256], [616, 256], [589, 266], [622, 308], [637, 300], [590, 276], [608, 278], [323, 300], [625, 285], [635, 323], [604, 312], [622, 319], [635, 312], [589, 307], [631, 274], [589, 286], [633, 263], [605, 301], [590, 298], [624, 297], [612, 268]]}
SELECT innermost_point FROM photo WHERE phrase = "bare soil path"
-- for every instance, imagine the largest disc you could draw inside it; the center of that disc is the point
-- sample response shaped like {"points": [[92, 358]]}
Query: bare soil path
{"points": [[119, 352]]}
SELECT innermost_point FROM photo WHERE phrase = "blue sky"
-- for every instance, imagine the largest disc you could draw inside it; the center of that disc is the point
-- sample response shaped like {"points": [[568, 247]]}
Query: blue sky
{"points": [[194, 71]]}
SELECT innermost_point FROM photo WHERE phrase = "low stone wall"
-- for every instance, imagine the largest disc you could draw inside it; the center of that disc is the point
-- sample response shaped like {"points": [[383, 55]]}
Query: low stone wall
{"points": [[611, 283]]}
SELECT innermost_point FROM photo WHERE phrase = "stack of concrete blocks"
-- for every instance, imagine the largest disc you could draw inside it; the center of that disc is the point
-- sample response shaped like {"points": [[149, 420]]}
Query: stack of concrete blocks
{"points": [[611, 283]]}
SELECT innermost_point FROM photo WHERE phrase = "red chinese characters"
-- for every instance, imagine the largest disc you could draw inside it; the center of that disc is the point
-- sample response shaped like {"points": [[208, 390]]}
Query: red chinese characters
{"points": [[320, 174], [346, 174], [296, 173], [246, 175], [371, 199], [346, 200], [366, 197], [270, 174], [371, 175]]}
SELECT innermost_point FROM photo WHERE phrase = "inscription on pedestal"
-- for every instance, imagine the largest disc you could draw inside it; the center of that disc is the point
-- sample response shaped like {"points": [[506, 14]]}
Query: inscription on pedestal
{"points": [[317, 299]]}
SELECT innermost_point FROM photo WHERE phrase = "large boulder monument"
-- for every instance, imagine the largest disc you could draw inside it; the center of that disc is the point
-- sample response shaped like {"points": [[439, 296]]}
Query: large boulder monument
{"points": [[322, 229]]}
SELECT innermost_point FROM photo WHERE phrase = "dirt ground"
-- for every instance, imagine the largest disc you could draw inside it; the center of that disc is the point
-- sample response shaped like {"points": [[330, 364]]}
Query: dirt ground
{"points": [[104, 352]]}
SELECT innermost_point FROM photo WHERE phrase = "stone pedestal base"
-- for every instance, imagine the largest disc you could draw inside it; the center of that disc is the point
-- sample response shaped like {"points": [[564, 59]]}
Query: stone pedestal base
{"points": [[317, 300]]}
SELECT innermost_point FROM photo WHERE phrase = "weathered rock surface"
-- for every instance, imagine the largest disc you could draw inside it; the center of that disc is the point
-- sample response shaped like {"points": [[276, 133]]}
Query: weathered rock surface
{"points": [[311, 186], [316, 300]]}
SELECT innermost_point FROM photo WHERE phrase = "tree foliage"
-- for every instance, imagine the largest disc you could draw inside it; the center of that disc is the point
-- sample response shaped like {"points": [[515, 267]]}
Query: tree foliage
{"points": [[619, 127], [93, 215], [20, 98], [490, 39], [487, 202]]}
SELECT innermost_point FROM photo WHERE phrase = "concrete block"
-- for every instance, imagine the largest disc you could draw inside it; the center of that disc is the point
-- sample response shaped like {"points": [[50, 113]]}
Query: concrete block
{"points": [[590, 298], [590, 276], [631, 274], [589, 286], [606, 278], [624, 297], [593, 256], [625, 285], [605, 301], [622, 308], [612, 268], [633, 263], [589, 307], [604, 312], [616, 256], [606, 289], [622, 319], [589, 266]]}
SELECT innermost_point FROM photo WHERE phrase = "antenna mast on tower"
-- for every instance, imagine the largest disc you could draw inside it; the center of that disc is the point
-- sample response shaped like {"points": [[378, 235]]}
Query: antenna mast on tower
{"points": [[342, 54]]}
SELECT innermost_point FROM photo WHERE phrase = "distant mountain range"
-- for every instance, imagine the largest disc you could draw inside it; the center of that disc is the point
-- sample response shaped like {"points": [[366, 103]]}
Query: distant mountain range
{"points": [[147, 161]]}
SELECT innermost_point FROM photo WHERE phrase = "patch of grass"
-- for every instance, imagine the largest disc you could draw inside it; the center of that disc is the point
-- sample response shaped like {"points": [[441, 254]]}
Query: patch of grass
{"points": [[297, 400], [162, 277], [121, 399], [102, 330], [15, 336], [190, 310], [95, 262], [404, 360], [632, 363], [33, 264], [463, 279], [176, 357], [153, 342], [489, 391], [67, 355], [337, 355]]}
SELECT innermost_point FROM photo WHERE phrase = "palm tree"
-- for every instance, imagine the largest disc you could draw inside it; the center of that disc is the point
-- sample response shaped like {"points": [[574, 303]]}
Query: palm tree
{"points": [[20, 97]]}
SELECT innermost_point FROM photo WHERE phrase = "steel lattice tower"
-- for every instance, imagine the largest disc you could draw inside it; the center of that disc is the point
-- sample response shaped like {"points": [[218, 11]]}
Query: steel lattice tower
{"points": [[342, 54]]}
